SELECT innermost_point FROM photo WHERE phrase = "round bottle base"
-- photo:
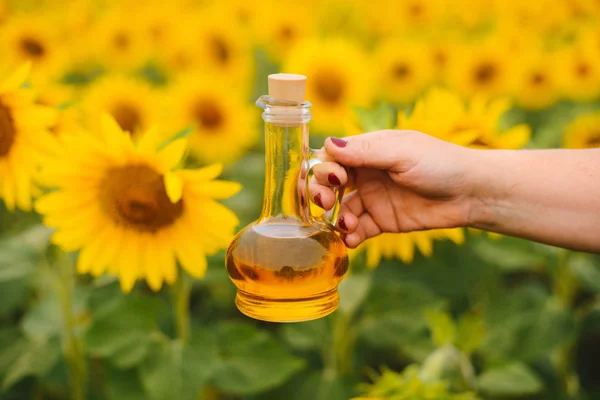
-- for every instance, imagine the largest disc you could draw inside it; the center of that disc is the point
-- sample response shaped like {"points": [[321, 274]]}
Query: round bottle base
{"points": [[287, 310]]}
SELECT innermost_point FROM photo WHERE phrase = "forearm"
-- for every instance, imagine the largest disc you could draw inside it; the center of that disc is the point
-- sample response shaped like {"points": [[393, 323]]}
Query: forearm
{"points": [[550, 196]]}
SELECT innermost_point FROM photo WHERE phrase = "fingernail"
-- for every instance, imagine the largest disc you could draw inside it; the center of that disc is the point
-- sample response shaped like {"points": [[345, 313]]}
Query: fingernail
{"points": [[318, 200], [333, 179], [342, 223], [339, 142]]}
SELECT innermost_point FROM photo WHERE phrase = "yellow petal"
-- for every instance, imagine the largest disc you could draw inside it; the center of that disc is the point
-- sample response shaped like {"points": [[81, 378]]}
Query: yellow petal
{"points": [[406, 249], [167, 257], [457, 235], [174, 186], [423, 242], [151, 261], [514, 138], [207, 173], [128, 261], [16, 80], [172, 155], [190, 255], [216, 189], [111, 244], [373, 254], [88, 256], [149, 141], [8, 192]]}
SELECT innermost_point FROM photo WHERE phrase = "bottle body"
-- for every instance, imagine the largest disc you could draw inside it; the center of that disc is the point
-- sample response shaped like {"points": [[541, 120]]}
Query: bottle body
{"points": [[286, 271], [286, 265]]}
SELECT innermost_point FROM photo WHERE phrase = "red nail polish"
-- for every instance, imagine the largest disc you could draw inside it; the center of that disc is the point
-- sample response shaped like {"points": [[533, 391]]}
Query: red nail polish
{"points": [[334, 180], [339, 142], [342, 224], [318, 200]]}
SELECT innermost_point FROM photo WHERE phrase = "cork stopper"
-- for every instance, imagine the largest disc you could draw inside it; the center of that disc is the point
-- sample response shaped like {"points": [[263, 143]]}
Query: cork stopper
{"points": [[290, 87]]}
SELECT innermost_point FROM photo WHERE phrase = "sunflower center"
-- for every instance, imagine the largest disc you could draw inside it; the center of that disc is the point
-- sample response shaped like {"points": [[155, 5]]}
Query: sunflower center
{"points": [[593, 141], [329, 88], [416, 10], [538, 79], [7, 130], [220, 50], [582, 70], [286, 33], [440, 58], [208, 114], [401, 71], [121, 41], [485, 73], [32, 48], [127, 116], [135, 196]]}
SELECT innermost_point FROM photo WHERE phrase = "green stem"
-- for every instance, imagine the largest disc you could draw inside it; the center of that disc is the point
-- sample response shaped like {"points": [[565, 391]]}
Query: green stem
{"points": [[565, 287], [182, 291], [71, 346]]}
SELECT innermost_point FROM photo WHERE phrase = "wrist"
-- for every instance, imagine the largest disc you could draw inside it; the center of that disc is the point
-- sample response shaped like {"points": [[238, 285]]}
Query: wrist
{"points": [[484, 193]]}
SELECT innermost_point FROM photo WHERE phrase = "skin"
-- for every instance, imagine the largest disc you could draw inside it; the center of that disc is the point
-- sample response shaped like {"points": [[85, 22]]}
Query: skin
{"points": [[406, 181]]}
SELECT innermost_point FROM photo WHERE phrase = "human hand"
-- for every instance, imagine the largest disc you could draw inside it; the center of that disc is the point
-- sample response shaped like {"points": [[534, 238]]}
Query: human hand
{"points": [[404, 181]]}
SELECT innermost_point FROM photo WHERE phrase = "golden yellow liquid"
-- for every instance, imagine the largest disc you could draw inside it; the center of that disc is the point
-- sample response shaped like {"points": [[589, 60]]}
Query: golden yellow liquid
{"points": [[287, 271]]}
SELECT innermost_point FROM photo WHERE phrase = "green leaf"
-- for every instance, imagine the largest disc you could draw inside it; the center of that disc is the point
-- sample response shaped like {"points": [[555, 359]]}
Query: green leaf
{"points": [[511, 380], [403, 326], [442, 327], [509, 255], [252, 361], [43, 320], [175, 370], [313, 385], [586, 271], [121, 330], [20, 254], [123, 385], [36, 360], [306, 335], [377, 118], [353, 291], [470, 332], [11, 346], [450, 365]]}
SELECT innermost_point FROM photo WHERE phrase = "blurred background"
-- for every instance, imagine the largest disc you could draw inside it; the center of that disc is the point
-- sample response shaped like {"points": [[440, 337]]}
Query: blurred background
{"points": [[450, 314]]}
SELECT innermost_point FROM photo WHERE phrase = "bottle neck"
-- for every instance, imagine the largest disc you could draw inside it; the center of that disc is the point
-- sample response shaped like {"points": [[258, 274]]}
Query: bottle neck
{"points": [[286, 148]]}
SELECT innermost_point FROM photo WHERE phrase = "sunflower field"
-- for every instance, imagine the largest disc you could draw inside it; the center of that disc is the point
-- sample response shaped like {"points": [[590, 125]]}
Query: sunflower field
{"points": [[131, 152]]}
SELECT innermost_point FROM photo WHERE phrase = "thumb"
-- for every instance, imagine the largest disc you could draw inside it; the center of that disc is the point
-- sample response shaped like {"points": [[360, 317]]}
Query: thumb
{"points": [[379, 149]]}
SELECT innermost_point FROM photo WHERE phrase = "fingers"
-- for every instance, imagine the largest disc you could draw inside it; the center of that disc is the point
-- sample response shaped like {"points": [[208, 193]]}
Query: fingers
{"points": [[365, 228], [321, 195], [326, 176], [378, 149], [330, 174]]}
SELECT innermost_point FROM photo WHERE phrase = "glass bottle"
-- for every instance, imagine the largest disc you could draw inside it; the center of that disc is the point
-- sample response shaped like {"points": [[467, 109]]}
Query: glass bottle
{"points": [[287, 264]]}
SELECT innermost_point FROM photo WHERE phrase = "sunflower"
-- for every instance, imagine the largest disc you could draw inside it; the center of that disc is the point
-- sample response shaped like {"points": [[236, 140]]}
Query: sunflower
{"points": [[115, 42], [281, 25], [579, 70], [405, 70], [31, 38], [339, 79], [482, 69], [132, 102], [583, 132], [537, 85], [222, 123], [217, 47], [128, 209], [402, 246], [24, 139]]}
